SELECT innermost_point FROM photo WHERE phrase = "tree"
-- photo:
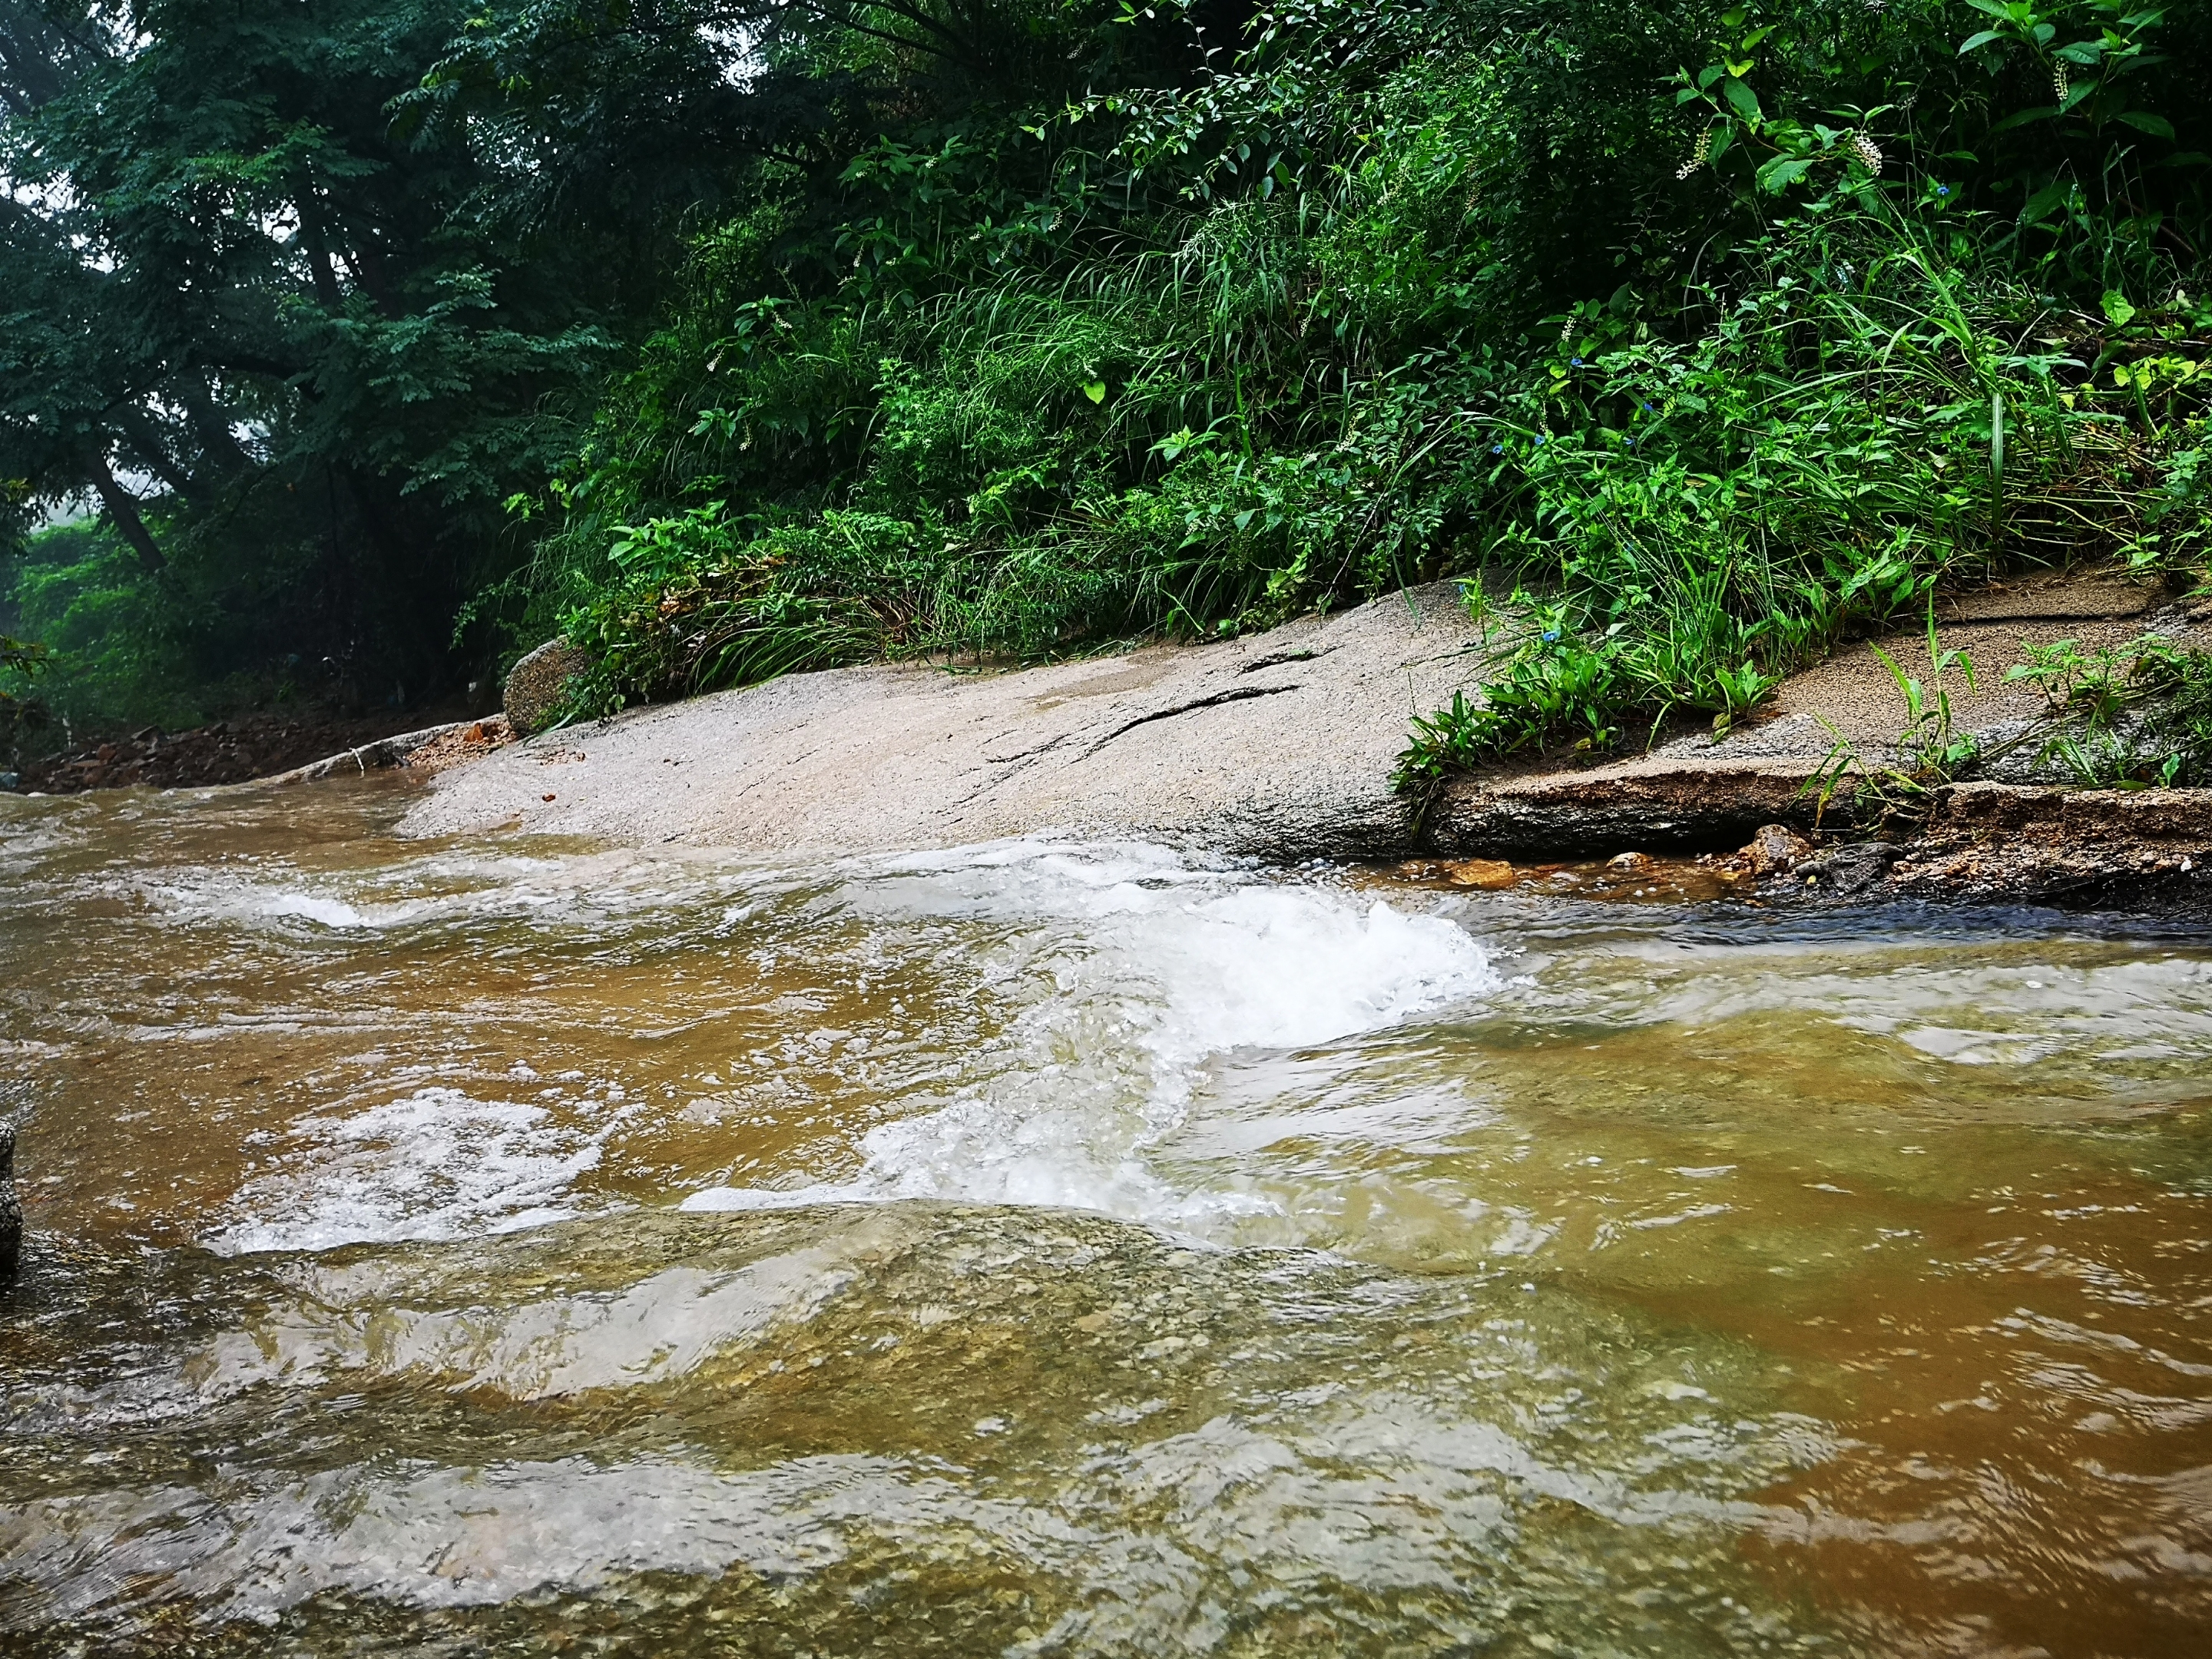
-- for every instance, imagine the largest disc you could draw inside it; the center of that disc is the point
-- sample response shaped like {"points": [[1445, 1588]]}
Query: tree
{"points": [[232, 281]]}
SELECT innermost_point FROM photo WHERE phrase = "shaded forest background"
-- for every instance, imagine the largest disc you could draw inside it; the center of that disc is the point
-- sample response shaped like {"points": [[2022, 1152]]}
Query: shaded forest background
{"points": [[349, 347]]}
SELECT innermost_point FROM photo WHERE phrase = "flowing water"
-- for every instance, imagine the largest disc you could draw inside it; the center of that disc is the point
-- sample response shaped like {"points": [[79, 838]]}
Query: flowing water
{"points": [[524, 1246]]}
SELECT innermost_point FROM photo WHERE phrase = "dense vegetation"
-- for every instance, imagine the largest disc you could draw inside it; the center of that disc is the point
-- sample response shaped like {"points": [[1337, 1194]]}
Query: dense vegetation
{"points": [[737, 335]]}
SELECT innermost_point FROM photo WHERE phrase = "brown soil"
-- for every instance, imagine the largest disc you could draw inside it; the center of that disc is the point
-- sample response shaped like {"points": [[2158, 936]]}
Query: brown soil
{"points": [[228, 751]]}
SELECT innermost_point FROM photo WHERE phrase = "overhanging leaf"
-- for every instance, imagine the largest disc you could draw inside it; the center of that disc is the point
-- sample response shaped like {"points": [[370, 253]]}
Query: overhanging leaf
{"points": [[1742, 100], [2046, 202], [1784, 171], [2144, 121]]}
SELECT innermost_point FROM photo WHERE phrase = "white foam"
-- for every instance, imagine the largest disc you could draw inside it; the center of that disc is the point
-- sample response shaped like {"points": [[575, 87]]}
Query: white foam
{"points": [[1105, 979], [308, 907], [434, 1164], [1140, 968], [444, 890], [733, 1200]]}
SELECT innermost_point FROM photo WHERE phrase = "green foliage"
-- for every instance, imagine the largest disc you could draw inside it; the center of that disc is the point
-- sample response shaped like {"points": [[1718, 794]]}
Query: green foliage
{"points": [[278, 344], [2130, 716], [1928, 752], [20, 712], [1016, 329], [123, 647], [1389, 293]]}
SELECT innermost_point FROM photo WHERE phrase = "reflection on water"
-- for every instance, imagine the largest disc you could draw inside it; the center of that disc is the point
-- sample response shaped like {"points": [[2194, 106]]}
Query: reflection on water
{"points": [[521, 1246]]}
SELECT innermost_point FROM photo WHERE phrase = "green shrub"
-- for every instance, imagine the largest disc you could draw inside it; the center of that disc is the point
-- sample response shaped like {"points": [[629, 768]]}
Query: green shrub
{"points": [[1394, 292]]}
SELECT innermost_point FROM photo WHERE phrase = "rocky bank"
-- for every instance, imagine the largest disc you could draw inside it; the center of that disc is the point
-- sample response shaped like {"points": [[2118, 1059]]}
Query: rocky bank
{"points": [[1280, 746]]}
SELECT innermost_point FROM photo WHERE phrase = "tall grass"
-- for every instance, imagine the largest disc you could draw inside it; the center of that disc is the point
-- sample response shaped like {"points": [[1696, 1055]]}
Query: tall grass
{"points": [[1866, 415]]}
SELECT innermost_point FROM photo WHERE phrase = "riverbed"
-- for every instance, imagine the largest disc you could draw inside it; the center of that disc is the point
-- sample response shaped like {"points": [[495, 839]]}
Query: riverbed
{"points": [[511, 1243]]}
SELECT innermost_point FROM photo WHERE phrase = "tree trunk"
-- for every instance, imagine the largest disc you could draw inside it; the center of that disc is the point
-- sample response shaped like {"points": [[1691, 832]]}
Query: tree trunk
{"points": [[123, 508], [319, 251], [146, 443], [219, 443]]}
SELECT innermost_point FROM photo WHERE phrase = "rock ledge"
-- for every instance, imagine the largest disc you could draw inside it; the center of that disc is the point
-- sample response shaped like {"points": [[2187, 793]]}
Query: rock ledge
{"points": [[1278, 746]]}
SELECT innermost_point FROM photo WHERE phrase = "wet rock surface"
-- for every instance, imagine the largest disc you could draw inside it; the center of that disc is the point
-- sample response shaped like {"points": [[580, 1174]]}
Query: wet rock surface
{"points": [[1776, 849], [1279, 745], [2107, 848], [1850, 870], [1995, 844], [2146, 851]]}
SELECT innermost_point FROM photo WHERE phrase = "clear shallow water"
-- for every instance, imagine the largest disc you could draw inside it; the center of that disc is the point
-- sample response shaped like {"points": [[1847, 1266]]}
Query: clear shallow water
{"points": [[523, 1247]]}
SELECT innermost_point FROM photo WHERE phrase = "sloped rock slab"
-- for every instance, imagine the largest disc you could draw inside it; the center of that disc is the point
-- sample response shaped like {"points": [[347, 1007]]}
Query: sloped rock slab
{"points": [[1648, 805], [1279, 745]]}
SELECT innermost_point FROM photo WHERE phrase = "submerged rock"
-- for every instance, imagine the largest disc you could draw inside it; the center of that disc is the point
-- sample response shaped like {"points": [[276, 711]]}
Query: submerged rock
{"points": [[538, 684], [1849, 870], [1492, 875], [11, 1213]]}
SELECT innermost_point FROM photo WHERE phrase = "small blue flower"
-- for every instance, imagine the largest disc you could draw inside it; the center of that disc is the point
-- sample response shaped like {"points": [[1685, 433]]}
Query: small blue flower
{"points": [[1551, 636], [1647, 409], [1631, 443], [1942, 190], [1497, 449], [1578, 362], [1543, 437]]}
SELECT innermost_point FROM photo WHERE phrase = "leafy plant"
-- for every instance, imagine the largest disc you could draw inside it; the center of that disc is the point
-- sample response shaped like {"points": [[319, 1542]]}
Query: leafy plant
{"points": [[1928, 752], [1726, 330], [2133, 715]]}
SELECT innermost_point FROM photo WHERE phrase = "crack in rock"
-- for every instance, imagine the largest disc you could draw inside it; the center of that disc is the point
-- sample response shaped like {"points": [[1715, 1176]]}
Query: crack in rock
{"points": [[1277, 658], [1238, 694]]}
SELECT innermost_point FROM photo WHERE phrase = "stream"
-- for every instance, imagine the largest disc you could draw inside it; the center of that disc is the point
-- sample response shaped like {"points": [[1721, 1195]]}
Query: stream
{"points": [[516, 1245]]}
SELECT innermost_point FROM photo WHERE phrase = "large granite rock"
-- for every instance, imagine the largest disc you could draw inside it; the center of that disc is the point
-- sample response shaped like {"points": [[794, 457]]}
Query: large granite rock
{"points": [[538, 686], [1278, 744], [1281, 745]]}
